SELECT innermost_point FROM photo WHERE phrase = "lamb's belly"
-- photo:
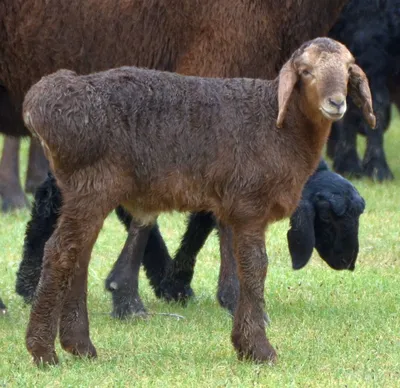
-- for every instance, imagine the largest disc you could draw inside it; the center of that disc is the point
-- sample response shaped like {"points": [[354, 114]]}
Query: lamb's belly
{"points": [[167, 196]]}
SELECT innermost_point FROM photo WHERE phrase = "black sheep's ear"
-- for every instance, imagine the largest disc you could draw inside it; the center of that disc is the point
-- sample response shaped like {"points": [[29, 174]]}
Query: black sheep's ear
{"points": [[357, 203], [360, 205], [336, 202], [301, 236]]}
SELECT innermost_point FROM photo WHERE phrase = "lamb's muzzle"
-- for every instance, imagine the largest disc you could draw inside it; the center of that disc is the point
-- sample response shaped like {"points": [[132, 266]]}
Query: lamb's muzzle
{"points": [[155, 142]]}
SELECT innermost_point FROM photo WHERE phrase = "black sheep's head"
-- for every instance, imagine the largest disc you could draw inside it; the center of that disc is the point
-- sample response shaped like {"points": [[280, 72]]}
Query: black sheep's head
{"points": [[336, 229], [329, 222]]}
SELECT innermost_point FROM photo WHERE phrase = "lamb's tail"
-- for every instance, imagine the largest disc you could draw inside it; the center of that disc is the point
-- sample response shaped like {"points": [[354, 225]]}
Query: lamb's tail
{"points": [[33, 119], [65, 112], [39, 103]]}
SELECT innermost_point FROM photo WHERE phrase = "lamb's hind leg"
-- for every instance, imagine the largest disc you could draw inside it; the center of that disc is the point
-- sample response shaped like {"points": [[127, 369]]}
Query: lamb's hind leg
{"points": [[248, 334], [65, 262], [123, 279], [74, 321]]}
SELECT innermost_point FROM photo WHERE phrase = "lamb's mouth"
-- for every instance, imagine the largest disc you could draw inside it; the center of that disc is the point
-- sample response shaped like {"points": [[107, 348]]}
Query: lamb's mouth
{"points": [[332, 116]]}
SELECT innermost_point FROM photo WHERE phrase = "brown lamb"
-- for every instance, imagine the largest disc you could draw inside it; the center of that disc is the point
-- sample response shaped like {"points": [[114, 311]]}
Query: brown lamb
{"points": [[156, 142]]}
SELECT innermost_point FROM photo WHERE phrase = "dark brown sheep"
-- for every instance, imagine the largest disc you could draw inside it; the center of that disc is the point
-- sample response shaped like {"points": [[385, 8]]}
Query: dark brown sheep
{"points": [[157, 141], [208, 38], [224, 38]]}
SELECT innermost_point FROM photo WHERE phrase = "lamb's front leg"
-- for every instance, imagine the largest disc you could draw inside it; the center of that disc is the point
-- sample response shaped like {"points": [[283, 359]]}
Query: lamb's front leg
{"points": [[123, 279], [248, 334]]}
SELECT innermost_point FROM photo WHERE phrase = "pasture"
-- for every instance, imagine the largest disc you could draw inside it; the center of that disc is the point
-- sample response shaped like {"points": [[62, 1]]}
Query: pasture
{"points": [[329, 328]]}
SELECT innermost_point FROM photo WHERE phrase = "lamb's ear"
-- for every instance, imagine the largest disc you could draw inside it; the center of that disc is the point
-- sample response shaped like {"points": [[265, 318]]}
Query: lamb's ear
{"points": [[287, 80], [361, 94], [301, 236]]}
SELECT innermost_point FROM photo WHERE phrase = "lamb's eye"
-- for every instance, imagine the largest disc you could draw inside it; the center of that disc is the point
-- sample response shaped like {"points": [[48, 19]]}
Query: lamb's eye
{"points": [[306, 72]]}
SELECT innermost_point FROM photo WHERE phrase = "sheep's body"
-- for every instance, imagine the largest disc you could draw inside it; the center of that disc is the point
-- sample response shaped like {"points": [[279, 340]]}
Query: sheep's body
{"points": [[221, 38], [371, 30], [125, 136], [214, 39], [210, 123]]}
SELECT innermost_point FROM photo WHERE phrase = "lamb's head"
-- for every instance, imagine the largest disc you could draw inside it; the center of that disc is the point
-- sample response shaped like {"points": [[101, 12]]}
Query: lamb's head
{"points": [[324, 72]]}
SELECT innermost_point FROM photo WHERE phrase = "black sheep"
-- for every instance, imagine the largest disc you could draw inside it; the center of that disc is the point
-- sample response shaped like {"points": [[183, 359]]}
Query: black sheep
{"points": [[371, 30], [326, 218]]}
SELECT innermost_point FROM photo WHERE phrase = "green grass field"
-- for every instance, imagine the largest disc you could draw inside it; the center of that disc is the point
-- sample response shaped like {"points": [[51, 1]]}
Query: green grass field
{"points": [[330, 328]]}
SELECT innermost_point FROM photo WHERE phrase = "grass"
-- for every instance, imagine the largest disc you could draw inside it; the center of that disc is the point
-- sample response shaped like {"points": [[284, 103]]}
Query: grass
{"points": [[331, 329]]}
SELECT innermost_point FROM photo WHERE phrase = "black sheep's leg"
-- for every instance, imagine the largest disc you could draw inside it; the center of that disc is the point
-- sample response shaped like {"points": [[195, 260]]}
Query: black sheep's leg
{"points": [[176, 284], [123, 280], [3, 308], [156, 257], [44, 215], [332, 141], [346, 161], [228, 282], [156, 260]]}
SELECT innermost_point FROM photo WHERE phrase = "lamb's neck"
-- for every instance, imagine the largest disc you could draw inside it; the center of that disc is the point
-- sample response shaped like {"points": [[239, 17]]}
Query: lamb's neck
{"points": [[310, 130]]}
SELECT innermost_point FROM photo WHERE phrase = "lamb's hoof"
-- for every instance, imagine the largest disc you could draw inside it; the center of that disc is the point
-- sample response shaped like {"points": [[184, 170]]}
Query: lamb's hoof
{"points": [[81, 348], [175, 290], [42, 356], [257, 350], [378, 170], [348, 164]]}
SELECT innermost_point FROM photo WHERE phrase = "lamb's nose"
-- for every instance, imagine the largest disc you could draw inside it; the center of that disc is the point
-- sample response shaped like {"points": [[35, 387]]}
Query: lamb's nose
{"points": [[337, 102]]}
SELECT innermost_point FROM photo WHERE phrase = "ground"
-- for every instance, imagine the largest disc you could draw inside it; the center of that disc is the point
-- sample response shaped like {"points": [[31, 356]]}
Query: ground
{"points": [[330, 328]]}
